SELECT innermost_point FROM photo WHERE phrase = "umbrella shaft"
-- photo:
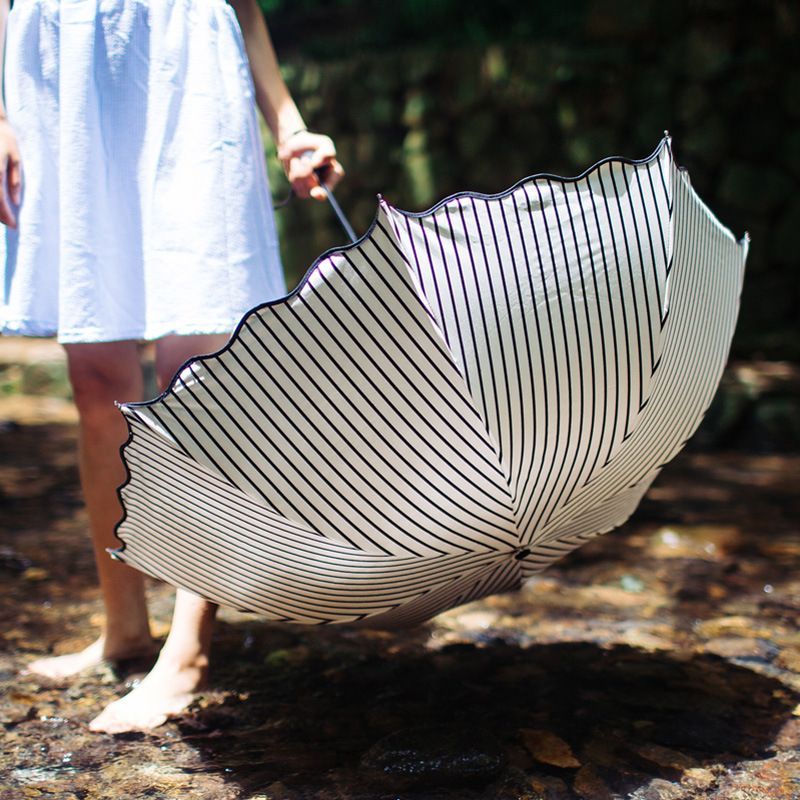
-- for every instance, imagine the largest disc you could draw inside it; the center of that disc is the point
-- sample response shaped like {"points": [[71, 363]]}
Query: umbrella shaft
{"points": [[337, 209]]}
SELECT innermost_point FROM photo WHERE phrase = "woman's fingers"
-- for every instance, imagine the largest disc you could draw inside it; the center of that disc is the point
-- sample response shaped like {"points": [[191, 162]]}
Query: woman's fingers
{"points": [[305, 154], [10, 174], [330, 175], [15, 179]]}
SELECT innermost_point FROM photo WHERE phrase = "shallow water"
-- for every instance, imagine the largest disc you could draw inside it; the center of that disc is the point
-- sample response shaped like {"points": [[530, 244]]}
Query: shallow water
{"points": [[659, 662]]}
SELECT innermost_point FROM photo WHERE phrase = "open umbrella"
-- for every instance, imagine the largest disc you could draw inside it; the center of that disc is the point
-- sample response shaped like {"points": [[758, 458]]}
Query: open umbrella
{"points": [[443, 408]]}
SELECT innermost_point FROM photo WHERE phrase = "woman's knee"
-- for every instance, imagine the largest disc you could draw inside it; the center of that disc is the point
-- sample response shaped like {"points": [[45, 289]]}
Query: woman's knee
{"points": [[103, 373], [172, 352]]}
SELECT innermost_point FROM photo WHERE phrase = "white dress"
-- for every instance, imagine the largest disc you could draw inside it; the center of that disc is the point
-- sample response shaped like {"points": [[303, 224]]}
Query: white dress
{"points": [[145, 208]]}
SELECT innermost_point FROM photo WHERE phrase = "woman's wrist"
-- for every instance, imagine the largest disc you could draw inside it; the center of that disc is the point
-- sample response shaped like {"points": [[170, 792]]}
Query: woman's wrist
{"points": [[286, 139], [288, 122]]}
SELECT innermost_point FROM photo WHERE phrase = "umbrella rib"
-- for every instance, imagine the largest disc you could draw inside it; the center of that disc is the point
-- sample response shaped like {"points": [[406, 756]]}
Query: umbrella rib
{"points": [[553, 502], [601, 394], [540, 506], [516, 471], [625, 329], [432, 407], [456, 319], [479, 298], [574, 476], [520, 493], [424, 354], [470, 323], [653, 258], [462, 373], [434, 340], [635, 315], [440, 328], [648, 313], [501, 444]]}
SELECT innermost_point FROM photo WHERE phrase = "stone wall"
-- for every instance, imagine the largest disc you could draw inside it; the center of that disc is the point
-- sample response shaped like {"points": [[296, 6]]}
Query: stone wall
{"points": [[416, 117]]}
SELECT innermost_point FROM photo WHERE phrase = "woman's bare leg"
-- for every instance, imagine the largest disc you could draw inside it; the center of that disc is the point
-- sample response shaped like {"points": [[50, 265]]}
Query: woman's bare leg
{"points": [[100, 374], [182, 666]]}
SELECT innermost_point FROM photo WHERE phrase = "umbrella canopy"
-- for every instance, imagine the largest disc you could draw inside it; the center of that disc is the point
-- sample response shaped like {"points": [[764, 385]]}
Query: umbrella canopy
{"points": [[443, 408]]}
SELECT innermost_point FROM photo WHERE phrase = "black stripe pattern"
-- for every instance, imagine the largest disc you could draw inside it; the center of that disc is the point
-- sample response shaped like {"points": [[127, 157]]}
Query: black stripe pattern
{"points": [[444, 408]]}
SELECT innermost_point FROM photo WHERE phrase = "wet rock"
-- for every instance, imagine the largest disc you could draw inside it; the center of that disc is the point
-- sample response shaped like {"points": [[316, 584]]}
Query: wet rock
{"points": [[698, 779], [435, 756], [789, 658], [774, 779], [548, 748], [516, 784], [664, 757], [588, 784], [721, 627], [277, 791], [746, 649], [659, 789], [788, 737], [546, 787]]}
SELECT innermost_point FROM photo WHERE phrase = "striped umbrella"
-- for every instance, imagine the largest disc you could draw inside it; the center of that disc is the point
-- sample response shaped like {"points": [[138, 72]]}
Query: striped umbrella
{"points": [[443, 408]]}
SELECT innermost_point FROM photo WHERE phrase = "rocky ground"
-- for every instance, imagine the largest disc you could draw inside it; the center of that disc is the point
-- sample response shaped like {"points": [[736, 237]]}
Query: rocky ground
{"points": [[661, 662]]}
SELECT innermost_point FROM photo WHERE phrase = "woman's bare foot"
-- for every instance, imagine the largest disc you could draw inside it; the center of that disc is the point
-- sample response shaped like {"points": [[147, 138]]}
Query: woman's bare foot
{"points": [[59, 667], [167, 690]]}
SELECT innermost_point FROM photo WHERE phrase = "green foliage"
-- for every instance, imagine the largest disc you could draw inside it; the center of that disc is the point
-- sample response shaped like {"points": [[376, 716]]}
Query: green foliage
{"points": [[427, 98]]}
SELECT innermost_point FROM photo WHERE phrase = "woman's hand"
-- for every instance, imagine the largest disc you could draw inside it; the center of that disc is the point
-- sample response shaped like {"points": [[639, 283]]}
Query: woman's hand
{"points": [[304, 152], [10, 174]]}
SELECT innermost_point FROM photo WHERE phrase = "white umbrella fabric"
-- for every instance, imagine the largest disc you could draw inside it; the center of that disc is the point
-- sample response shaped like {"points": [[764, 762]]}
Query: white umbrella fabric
{"points": [[443, 408]]}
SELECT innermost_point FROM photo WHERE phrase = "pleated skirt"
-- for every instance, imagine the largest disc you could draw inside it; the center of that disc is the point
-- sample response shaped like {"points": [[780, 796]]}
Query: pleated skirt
{"points": [[145, 208]]}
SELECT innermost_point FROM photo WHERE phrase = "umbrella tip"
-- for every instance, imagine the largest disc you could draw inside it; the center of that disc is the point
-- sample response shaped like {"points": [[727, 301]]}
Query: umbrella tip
{"points": [[115, 553], [746, 237]]}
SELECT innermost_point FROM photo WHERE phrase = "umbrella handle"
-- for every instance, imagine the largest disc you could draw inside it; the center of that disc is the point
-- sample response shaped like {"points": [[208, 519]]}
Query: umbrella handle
{"points": [[320, 172]]}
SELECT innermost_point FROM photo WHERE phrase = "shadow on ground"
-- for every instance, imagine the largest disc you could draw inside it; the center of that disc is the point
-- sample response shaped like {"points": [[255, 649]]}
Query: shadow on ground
{"points": [[482, 721]]}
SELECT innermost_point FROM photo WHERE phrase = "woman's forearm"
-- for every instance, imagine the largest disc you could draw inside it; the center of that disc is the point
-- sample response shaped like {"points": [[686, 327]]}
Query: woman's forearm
{"points": [[305, 156], [272, 95]]}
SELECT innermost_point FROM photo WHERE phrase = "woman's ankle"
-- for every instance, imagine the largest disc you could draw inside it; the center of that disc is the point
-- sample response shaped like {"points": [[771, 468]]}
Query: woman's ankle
{"points": [[116, 646]]}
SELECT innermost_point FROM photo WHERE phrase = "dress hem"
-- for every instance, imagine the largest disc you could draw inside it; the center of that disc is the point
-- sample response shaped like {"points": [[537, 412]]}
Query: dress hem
{"points": [[38, 330]]}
